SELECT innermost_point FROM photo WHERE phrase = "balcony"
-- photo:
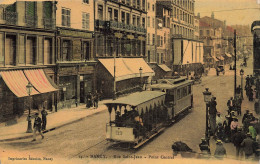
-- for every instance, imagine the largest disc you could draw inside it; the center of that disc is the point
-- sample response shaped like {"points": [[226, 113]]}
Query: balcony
{"points": [[30, 21], [10, 17], [49, 23]]}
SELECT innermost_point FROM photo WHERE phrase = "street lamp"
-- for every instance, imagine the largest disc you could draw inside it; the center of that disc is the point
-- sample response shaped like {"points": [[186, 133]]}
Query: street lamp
{"points": [[241, 74], [141, 71], [207, 99], [29, 87]]}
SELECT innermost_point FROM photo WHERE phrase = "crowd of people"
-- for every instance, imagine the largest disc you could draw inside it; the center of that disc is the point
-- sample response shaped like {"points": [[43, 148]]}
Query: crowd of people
{"points": [[245, 137]]}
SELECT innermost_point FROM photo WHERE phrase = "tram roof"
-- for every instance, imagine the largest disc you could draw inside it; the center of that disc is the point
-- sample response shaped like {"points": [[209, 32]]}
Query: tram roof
{"points": [[170, 86], [137, 98]]}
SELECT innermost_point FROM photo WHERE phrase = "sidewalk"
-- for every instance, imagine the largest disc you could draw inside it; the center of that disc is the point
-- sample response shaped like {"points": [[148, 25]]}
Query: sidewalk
{"points": [[54, 120]]}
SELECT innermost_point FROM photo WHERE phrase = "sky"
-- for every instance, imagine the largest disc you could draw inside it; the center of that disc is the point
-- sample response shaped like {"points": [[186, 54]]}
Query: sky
{"points": [[244, 17]]}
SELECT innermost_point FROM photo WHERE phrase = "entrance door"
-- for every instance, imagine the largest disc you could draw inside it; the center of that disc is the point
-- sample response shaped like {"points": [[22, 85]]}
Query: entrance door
{"points": [[82, 91]]}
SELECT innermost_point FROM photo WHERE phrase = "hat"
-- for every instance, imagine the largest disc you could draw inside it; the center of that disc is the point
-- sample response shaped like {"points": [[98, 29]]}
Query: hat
{"points": [[232, 111], [218, 142]]}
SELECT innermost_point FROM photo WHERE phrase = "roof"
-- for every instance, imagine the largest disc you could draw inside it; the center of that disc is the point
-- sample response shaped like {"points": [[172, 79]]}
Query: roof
{"points": [[230, 29], [164, 67], [137, 98], [220, 58], [204, 24], [170, 86], [127, 68], [228, 55]]}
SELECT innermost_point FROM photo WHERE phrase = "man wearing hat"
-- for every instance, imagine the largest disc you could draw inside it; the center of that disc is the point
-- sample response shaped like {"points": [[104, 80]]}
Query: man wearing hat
{"points": [[248, 144], [245, 115], [220, 151], [37, 126], [237, 139]]}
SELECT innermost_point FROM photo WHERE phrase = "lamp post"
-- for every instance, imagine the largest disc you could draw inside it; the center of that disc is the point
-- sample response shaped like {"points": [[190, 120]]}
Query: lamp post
{"points": [[241, 74], [207, 99], [29, 91], [141, 71]]}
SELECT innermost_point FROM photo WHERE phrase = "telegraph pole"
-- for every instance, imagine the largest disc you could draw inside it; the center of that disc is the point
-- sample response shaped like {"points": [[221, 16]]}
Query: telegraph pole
{"points": [[235, 52]]}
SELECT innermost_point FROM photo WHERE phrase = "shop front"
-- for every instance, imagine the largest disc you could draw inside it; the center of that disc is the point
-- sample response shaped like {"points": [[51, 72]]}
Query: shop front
{"points": [[14, 96], [131, 74]]}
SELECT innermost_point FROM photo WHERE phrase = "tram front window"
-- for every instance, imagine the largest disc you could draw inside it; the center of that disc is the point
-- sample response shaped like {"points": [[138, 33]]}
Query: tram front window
{"points": [[169, 97]]}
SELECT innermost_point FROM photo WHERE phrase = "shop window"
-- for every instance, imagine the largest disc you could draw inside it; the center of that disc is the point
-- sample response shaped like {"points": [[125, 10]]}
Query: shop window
{"points": [[65, 17], [10, 50], [30, 50], [85, 20], [47, 51], [66, 47]]}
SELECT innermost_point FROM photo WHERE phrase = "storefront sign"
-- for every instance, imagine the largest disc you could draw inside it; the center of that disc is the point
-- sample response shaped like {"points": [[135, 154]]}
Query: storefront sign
{"points": [[118, 35], [130, 36], [86, 69], [68, 71], [76, 33]]}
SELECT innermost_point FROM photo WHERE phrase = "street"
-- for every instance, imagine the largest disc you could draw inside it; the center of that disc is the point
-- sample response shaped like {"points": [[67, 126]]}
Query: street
{"points": [[86, 138]]}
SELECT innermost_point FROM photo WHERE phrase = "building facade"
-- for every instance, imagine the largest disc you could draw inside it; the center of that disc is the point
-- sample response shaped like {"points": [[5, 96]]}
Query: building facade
{"points": [[75, 51], [120, 28], [27, 54]]}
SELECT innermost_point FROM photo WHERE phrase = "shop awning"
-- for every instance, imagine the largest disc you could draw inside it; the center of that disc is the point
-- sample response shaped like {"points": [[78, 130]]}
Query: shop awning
{"points": [[16, 82], [127, 68], [39, 80], [228, 55], [164, 67]]}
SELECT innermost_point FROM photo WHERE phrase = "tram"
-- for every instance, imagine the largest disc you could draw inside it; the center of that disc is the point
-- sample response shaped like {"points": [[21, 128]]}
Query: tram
{"points": [[136, 118]]}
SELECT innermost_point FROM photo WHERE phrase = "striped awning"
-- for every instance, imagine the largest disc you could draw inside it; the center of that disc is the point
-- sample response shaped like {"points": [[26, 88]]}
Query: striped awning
{"points": [[16, 82], [39, 80]]}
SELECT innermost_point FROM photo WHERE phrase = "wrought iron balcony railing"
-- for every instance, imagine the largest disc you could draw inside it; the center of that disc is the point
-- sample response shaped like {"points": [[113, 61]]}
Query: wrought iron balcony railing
{"points": [[49, 23], [10, 17], [30, 20]]}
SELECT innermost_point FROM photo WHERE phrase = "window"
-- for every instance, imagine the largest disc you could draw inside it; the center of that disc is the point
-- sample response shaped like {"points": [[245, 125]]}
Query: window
{"points": [[153, 22], [184, 91], [10, 48], [65, 17], [134, 19], [207, 32], [30, 50], [85, 20], [138, 20], [143, 4], [148, 38], [66, 45], [149, 56], [100, 12], [123, 17], [127, 18], [153, 7], [161, 41], [116, 15], [86, 1], [110, 14], [164, 38], [161, 58], [143, 22], [201, 32], [148, 6], [153, 39], [189, 89], [148, 21], [178, 94], [158, 40]]}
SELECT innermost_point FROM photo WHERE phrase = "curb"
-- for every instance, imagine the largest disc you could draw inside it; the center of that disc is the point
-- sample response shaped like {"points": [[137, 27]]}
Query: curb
{"points": [[53, 128]]}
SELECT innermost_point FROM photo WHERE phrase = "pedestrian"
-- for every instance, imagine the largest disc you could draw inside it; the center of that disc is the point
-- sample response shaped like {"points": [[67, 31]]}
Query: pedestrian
{"points": [[219, 119], [237, 139], [212, 114], [230, 104], [89, 97], [252, 132], [245, 115], [37, 126], [44, 118], [238, 105], [248, 145], [233, 126], [220, 151], [250, 94], [96, 99]]}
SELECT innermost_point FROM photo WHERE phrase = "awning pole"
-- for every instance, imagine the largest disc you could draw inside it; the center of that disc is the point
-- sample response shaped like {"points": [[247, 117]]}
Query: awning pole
{"points": [[114, 94]]}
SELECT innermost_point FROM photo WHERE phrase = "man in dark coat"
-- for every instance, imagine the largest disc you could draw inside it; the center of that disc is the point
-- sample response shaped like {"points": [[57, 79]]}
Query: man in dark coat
{"points": [[44, 118], [237, 139], [37, 126], [230, 104], [220, 151], [245, 115], [248, 145], [212, 114]]}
